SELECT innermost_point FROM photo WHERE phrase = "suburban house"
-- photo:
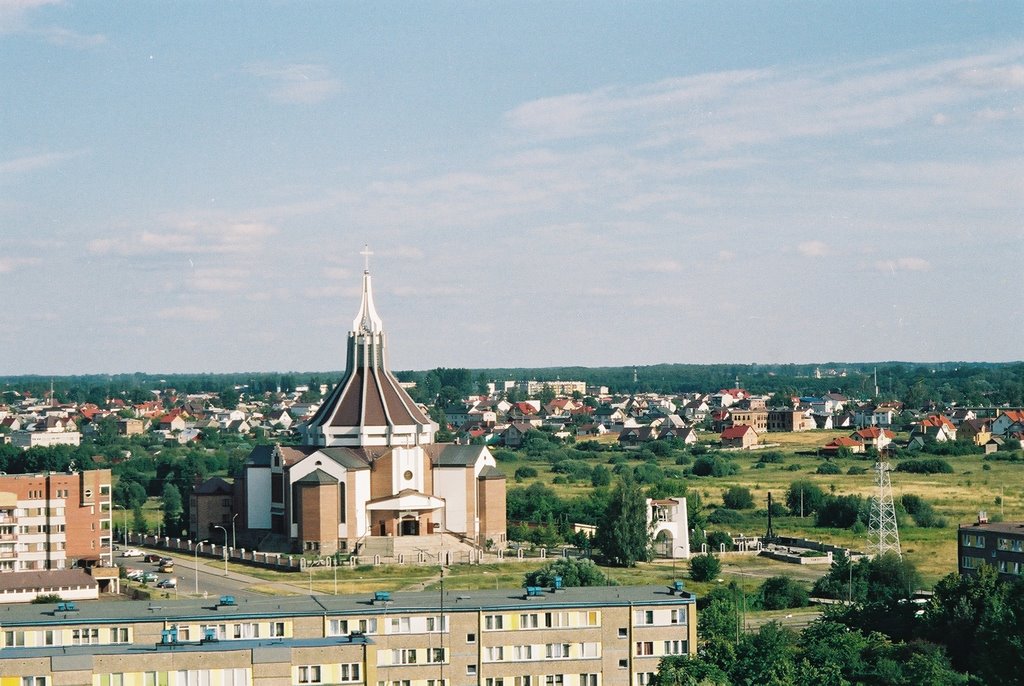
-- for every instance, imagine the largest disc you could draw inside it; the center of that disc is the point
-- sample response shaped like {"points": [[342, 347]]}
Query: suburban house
{"points": [[740, 436]]}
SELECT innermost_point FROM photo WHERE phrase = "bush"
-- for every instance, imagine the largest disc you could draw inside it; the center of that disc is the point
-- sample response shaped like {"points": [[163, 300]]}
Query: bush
{"points": [[600, 476], [921, 510], [806, 492], [704, 567], [738, 498], [782, 592], [722, 515], [716, 539], [770, 457], [829, 468], [574, 572], [793, 468], [839, 512], [713, 466], [856, 471], [927, 466], [47, 598], [525, 473]]}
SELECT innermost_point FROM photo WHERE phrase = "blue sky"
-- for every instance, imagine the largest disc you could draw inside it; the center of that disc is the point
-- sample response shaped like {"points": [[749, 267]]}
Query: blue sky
{"points": [[187, 186]]}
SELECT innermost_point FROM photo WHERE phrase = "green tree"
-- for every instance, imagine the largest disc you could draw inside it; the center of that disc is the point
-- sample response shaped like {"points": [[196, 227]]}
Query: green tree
{"points": [[684, 670], [623, 534], [782, 592], [738, 498], [171, 500], [766, 658], [704, 567], [600, 476], [574, 572], [129, 494], [804, 497]]}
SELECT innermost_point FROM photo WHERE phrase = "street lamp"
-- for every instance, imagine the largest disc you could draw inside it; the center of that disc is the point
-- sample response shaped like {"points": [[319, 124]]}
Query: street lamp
{"points": [[218, 526], [233, 544], [122, 507], [196, 552]]}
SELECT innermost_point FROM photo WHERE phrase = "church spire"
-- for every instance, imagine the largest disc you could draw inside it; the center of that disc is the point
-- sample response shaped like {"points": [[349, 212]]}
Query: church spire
{"points": [[367, 320]]}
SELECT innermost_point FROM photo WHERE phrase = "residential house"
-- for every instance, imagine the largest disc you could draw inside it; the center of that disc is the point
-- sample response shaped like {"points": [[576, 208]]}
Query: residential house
{"points": [[739, 436], [978, 431], [833, 447], [1001, 425], [876, 437]]}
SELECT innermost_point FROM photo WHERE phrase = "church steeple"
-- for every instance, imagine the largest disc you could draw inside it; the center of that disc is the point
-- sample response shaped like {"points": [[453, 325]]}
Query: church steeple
{"points": [[367, 320], [368, 407]]}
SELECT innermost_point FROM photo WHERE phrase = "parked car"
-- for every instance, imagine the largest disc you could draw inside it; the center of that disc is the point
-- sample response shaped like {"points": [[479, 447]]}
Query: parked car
{"points": [[169, 582], [132, 552], [151, 557], [149, 577], [133, 574], [167, 567]]}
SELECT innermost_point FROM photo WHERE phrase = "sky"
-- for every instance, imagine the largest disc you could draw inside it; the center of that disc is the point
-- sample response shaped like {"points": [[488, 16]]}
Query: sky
{"points": [[187, 187]]}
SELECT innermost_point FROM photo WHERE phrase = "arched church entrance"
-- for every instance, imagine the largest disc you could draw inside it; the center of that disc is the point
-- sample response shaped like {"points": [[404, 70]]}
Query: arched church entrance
{"points": [[410, 526], [663, 542]]}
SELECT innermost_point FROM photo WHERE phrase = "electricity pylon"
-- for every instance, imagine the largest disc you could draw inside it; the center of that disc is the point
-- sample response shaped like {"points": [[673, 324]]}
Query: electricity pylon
{"points": [[883, 531]]}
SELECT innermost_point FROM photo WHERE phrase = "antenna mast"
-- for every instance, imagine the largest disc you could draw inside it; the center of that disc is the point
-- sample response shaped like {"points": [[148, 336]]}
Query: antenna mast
{"points": [[883, 531]]}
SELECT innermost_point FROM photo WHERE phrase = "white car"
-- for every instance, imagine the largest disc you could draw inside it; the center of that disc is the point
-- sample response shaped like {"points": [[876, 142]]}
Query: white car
{"points": [[132, 552]]}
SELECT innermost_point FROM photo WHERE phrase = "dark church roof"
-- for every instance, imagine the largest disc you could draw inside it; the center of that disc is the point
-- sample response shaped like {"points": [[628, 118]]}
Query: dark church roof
{"points": [[368, 399], [317, 477]]}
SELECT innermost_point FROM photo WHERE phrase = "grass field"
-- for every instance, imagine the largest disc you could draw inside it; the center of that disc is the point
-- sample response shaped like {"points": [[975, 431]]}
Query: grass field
{"points": [[976, 484]]}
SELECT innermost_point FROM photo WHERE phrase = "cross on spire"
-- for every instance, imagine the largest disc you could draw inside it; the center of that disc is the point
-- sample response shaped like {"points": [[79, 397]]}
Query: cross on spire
{"points": [[366, 257]]}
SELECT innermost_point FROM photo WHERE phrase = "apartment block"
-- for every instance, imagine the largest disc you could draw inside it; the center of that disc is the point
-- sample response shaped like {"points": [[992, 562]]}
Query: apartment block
{"points": [[999, 544], [607, 636], [55, 520]]}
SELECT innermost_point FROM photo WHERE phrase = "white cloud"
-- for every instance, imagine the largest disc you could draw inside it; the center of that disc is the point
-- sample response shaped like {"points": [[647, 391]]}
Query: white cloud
{"points": [[813, 249], [13, 13], [904, 264], [56, 35], [296, 83], [189, 235], [29, 163], [189, 313], [666, 266], [10, 264]]}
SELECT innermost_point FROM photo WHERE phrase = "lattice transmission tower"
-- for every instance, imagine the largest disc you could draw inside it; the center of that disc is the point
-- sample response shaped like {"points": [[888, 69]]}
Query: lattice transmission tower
{"points": [[883, 531]]}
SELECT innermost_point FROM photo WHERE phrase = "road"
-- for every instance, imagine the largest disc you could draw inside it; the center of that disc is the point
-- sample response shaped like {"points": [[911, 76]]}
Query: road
{"points": [[211, 578]]}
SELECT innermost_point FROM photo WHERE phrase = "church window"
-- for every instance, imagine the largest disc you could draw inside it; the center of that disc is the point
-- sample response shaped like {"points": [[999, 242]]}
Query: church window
{"points": [[341, 502], [408, 475]]}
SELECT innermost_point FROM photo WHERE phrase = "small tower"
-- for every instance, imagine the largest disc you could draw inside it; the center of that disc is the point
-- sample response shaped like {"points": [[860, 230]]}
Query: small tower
{"points": [[883, 531]]}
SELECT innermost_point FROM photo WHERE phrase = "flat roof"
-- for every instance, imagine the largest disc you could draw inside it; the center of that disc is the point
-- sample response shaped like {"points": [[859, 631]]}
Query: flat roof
{"points": [[270, 607], [998, 527]]}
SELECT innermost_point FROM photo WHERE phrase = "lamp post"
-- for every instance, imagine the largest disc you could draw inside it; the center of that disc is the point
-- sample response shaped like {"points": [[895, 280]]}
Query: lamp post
{"points": [[233, 544], [122, 507], [196, 552], [218, 526]]}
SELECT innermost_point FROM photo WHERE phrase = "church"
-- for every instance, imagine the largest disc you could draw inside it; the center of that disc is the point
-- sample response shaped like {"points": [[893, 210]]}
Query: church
{"points": [[368, 469]]}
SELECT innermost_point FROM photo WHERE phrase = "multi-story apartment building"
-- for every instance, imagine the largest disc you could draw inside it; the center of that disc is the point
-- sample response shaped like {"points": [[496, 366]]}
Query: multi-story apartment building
{"points": [[54, 520], [608, 636], [998, 544]]}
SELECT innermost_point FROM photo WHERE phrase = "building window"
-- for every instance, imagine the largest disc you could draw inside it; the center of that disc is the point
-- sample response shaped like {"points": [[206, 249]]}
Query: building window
{"points": [[588, 680], [554, 680], [678, 616], [494, 681], [14, 639], [523, 681], [470, 670], [437, 624], [400, 625], [645, 647], [494, 653], [470, 638], [556, 650], [277, 629], [623, 632], [523, 652], [528, 621], [435, 655], [34, 681], [645, 617], [494, 622], [623, 664], [968, 562], [675, 648], [349, 671], [119, 635], [645, 678], [309, 674]]}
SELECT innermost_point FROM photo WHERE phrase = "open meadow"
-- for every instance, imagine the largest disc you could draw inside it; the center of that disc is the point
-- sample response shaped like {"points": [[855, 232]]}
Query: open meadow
{"points": [[976, 484]]}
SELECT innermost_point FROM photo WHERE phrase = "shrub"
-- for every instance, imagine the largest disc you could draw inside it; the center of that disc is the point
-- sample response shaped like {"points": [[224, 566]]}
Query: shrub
{"points": [[840, 512], [722, 515], [574, 572], [713, 466], [926, 466], [525, 473], [856, 471], [683, 460], [704, 567], [47, 598], [649, 473], [600, 476], [793, 468], [921, 510], [738, 498], [770, 457], [829, 468], [716, 539], [782, 592], [806, 492]]}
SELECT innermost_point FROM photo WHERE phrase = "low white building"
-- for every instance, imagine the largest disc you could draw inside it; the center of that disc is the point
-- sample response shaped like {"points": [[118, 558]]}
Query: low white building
{"points": [[670, 527]]}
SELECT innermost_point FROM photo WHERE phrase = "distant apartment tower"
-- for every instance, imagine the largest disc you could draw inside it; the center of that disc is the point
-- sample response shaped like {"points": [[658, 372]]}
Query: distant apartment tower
{"points": [[999, 544], [55, 520], [534, 388]]}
